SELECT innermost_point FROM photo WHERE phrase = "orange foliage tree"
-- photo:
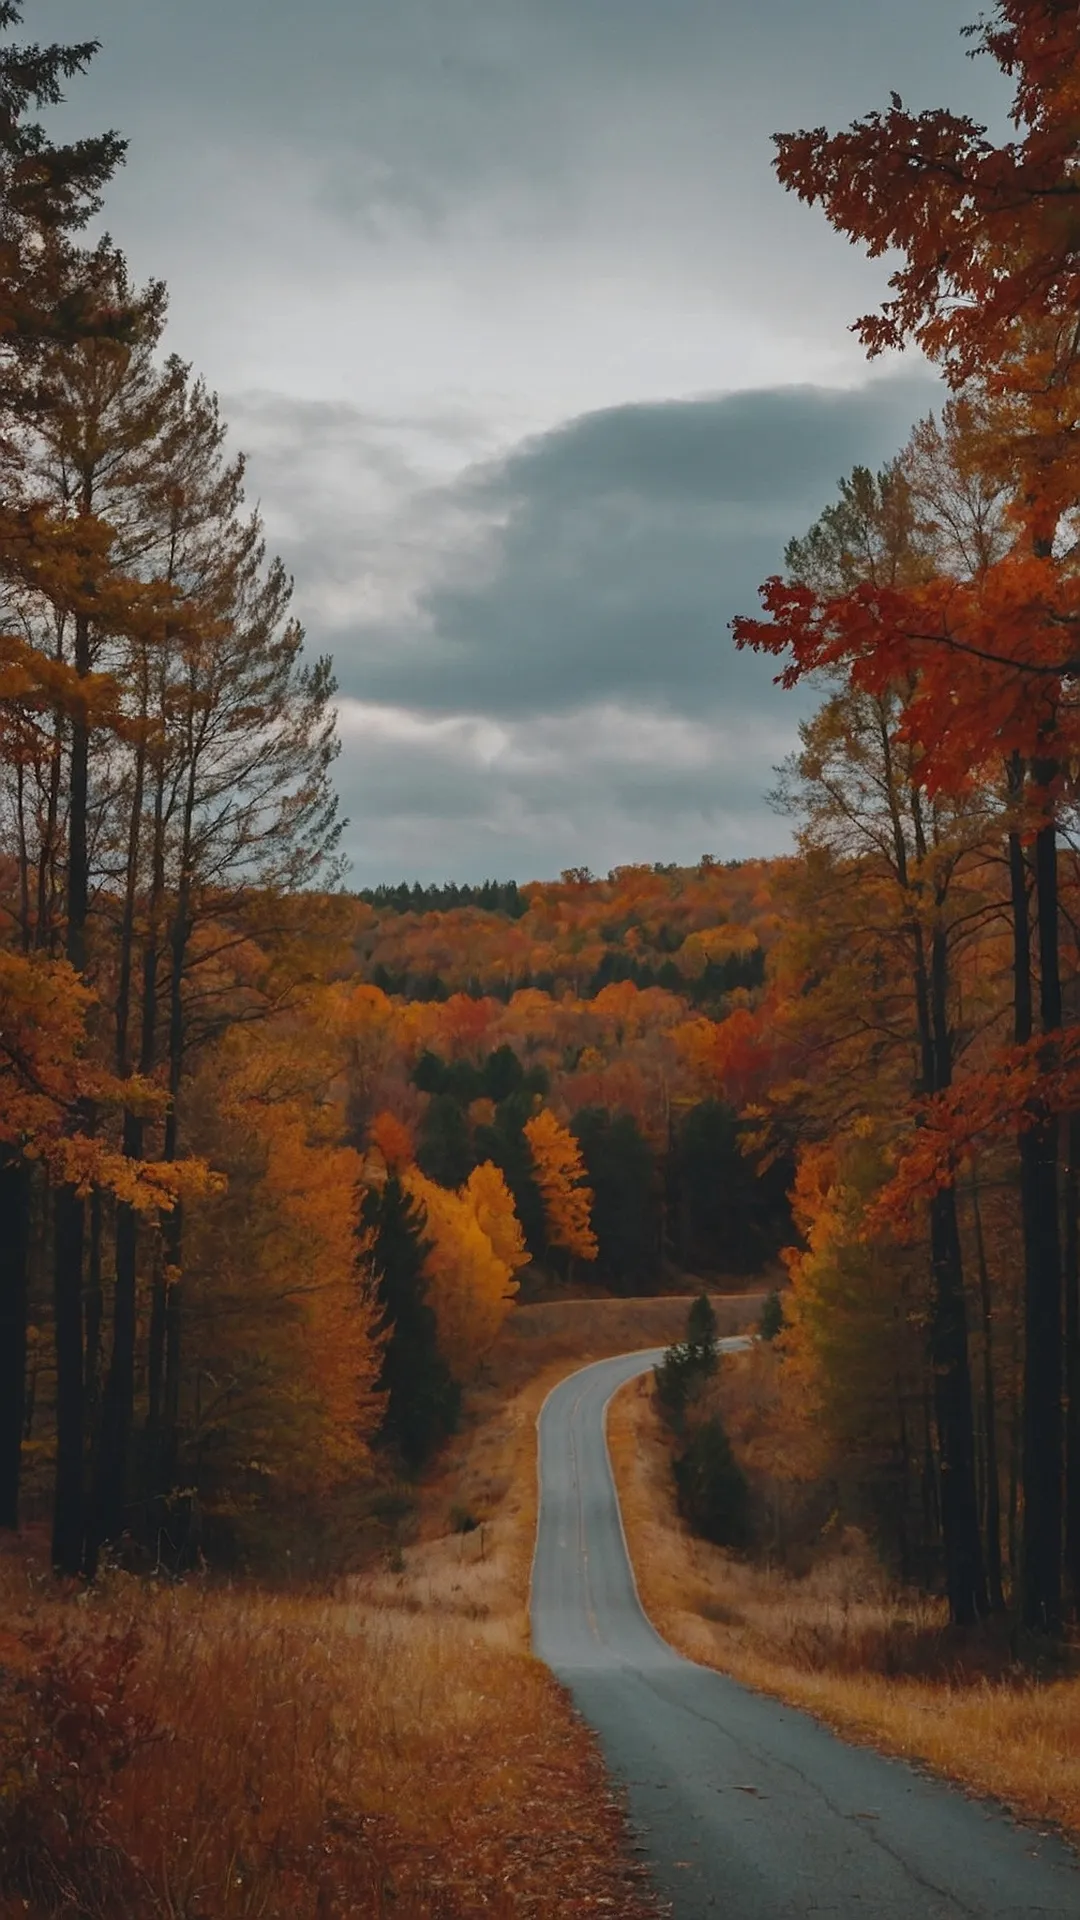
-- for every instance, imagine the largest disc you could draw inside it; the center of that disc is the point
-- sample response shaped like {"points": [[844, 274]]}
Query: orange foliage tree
{"points": [[470, 1285], [560, 1176], [493, 1204], [282, 1357], [986, 654]]}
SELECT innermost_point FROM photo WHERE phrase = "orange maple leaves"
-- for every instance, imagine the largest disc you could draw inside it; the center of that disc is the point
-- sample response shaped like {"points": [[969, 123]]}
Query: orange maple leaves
{"points": [[987, 660], [987, 232]]}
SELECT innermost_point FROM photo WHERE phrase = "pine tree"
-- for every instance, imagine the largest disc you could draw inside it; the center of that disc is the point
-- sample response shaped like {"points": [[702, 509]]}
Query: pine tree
{"points": [[46, 193], [422, 1397], [621, 1172], [701, 1331]]}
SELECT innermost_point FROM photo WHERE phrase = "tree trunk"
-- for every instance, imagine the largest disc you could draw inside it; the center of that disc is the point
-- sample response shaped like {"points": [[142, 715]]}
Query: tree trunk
{"points": [[14, 1249], [25, 933], [68, 1501], [964, 1573], [1072, 1363], [154, 1377], [94, 1311], [69, 1209], [118, 1404], [173, 1225], [47, 887], [992, 1505], [965, 1576], [1042, 1460], [118, 1398], [165, 1466], [78, 870]]}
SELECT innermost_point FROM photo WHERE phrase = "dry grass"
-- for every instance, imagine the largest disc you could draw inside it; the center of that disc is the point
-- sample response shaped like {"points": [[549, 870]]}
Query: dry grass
{"points": [[488, 1472], [573, 1332], [839, 1644], [198, 1753]]}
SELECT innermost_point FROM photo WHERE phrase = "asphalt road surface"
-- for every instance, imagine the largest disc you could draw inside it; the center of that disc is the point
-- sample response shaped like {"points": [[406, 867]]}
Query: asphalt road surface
{"points": [[743, 1807]]}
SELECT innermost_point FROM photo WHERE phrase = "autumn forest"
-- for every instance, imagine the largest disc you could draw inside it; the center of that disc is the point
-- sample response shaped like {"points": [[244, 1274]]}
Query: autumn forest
{"points": [[285, 1165]]}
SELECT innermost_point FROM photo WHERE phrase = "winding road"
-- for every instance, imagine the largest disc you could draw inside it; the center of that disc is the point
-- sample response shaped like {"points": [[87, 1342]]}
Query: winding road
{"points": [[743, 1807]]}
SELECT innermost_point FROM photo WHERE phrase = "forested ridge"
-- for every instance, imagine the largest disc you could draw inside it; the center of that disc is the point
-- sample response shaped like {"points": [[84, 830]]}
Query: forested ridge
{"points": [[213, 1050], [281, 1158]]}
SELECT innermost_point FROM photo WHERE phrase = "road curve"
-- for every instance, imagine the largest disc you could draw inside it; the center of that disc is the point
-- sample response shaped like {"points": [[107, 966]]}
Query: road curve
{"points": [[743, 1807]]}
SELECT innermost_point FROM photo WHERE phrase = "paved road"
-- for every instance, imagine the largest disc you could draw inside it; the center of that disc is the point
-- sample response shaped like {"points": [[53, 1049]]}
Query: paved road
{"points": [[746, 1808]]}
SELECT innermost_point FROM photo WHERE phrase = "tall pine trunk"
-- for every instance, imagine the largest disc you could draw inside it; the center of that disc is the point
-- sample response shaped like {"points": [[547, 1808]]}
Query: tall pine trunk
{"points": [[118, 1397], [68, 1207], [68, 1498], [954, 1411], [118, 1403], [14, 1251], [992, 1497], [965, 1575], [1072, 1364], [1042, 1468], [173, 1223]]}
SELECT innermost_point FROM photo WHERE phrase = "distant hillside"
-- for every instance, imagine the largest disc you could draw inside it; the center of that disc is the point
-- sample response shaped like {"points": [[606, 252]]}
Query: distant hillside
{"points": [[701, 932]]}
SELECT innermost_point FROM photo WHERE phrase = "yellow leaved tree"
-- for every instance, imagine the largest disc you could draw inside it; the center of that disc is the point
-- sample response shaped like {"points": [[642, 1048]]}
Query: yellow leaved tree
{"points": [[493, 1204], [283, 1352], [470, 1286], [560, 1176]]}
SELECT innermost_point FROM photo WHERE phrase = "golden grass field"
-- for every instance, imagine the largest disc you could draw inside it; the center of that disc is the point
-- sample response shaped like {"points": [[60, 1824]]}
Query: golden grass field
{"points": [[827, 1642], [389, 1747]]}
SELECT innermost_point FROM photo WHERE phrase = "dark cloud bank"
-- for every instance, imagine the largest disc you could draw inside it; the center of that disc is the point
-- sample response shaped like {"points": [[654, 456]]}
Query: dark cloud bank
{"points": [[563, 685]]}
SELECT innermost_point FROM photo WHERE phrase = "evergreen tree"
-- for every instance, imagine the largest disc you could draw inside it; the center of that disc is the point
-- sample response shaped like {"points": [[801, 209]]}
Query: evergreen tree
{"points": [[729, 1217], [713, 1494], [503, 1074], [423, 1398], [621, 1172], [772, 1316], [688, 1364], [444, 1150], [701, 1332], [505, 1144], [47, 193]]}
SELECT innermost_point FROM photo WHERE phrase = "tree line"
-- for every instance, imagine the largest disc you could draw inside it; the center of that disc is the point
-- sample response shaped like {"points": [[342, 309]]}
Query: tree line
{"points": [[930, 990], [166, 800]]}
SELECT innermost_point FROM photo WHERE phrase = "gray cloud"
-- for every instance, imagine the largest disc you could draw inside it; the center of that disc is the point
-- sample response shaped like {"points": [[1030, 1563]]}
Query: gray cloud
{"points": [[603, 786], [445, 94], [556, 203], [465, 268], [545, 675], [598, 562]]}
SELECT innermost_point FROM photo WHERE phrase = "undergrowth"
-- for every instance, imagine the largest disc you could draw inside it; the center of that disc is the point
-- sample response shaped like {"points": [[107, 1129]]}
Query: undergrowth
{"points": [[878, 1663]]}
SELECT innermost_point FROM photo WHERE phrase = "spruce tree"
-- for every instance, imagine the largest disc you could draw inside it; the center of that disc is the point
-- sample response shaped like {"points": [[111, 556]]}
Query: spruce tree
{"points": [[423, 1398], [701, 1332]]}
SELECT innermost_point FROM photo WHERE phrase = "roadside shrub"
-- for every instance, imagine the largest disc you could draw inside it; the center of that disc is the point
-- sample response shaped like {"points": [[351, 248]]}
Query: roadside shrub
{"points": [[688, 1364], [677, 1379], [772, 1316], [69, 1724], [701, 1331], [712, 1490]]}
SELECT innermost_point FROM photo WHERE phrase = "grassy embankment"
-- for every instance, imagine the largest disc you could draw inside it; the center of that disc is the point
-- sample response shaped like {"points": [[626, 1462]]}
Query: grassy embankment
{"points": [[389, 1747], [879, 1666]]}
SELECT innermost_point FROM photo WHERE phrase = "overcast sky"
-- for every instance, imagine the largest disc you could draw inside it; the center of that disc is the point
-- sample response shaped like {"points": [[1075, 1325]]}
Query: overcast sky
{"points": [[538, 368]]}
